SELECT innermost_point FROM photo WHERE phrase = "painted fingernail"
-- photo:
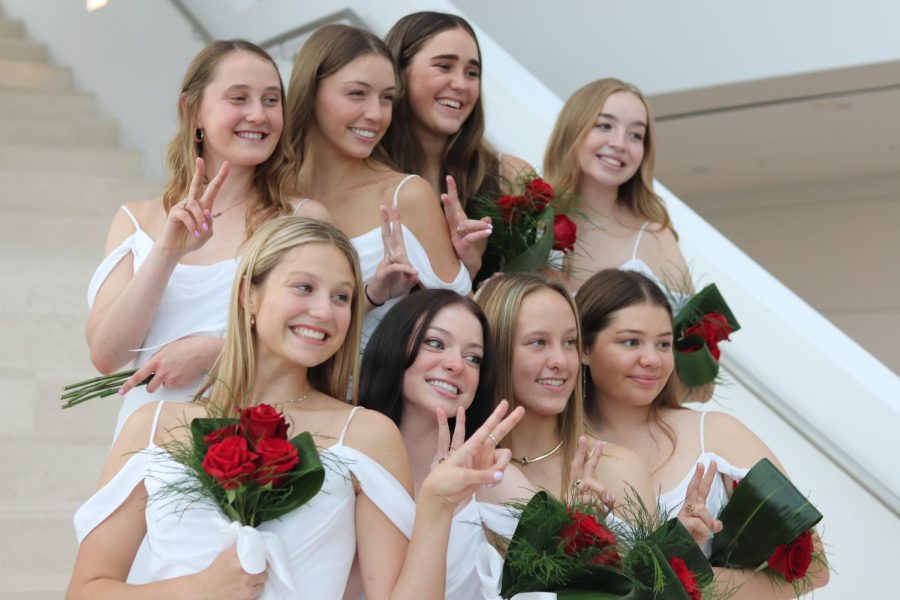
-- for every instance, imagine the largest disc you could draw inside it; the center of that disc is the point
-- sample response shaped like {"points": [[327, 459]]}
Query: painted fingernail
{"points": [[498, 475], [204, 226], [121, 391], [196, 233], [489, 485]]}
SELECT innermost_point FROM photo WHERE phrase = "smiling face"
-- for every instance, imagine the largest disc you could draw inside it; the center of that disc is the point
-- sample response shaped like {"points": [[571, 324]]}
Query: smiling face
{"points": [[545, 353], [445, 373], [241, 111], [613, 148], [354, 105], [444, 82], [303, 307], [631, 359]]}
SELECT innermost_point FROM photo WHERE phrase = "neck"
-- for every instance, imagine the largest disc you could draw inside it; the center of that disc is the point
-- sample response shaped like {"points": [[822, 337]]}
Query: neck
{"points": [[599, 199], [618, 420], [420, 433], [324, 170], [433, 146], [236, 188], [279, 381], [534, 435]]}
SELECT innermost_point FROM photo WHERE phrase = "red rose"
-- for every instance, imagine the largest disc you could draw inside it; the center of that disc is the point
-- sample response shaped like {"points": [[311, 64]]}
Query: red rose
{"points": [[230, 461], [686, 577], [735, 483], [564, 231], [220, 434], [713, 328], [585, 532], [793, 559], [263, 421], [276, 457], [509, 207], [538, 194]]}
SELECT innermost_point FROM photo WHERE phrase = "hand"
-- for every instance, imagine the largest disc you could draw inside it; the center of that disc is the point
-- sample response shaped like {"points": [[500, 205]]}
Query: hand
{"points": [[478, 462], [394, 275], [694, 514], [446, 444], [189, 224], [468, 236], [178, 364], [582, 475], [224, 579]]}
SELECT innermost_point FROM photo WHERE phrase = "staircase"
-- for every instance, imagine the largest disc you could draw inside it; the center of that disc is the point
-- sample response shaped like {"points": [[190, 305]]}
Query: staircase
{"points": [[62, 175]]}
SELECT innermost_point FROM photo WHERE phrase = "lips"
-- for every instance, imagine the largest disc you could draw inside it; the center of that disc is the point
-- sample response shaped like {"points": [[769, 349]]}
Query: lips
{"points": [[450, 103], [312, 334], [556, 384], [366, 134], [648, 381], [613, 162], [251, 135], [444, 386]]}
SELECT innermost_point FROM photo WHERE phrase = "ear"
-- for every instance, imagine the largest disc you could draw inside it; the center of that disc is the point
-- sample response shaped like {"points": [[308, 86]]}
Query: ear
{"points": [[249, 297], [182, 109]]}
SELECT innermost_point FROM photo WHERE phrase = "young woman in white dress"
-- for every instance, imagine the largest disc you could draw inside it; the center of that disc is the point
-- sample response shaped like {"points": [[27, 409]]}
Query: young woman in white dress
{"points": [[626, 324], [431, 355], [342, 93], [294, 317], [438, 127], [163, 286]]}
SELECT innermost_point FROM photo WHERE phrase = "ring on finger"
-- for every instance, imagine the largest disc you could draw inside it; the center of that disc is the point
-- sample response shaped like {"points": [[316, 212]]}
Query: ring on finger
{"points": [[461, 231], [184, 202], [689, 508], [577, 483], [493, 439], [389, 255]]}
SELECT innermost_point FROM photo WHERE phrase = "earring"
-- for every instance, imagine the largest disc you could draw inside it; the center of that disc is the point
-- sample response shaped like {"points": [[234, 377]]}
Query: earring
{"points": [[198, 135], [252, 321], [585, 373]]}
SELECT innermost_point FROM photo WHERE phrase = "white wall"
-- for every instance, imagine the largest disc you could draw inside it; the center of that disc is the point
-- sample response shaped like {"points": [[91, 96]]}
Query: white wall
{"points": [[132, 54]]}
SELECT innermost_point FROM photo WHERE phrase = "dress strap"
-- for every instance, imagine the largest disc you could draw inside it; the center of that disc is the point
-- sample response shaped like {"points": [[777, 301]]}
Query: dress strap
{"points": [[130, 216], [155, 421], [702, 422], [298, 207], [637, 240], [400, 185], [347, 425]]}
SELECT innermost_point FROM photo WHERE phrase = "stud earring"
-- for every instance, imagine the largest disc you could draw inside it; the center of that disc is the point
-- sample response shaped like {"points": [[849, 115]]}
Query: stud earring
{"points": [[252, 321], [198, 135]]}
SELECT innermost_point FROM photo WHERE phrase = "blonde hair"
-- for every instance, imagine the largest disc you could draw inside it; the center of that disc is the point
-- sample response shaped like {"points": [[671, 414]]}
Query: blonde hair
{"points": [[269, 178], [233, 376], [574, 122], [326, 52], [502, 299]]}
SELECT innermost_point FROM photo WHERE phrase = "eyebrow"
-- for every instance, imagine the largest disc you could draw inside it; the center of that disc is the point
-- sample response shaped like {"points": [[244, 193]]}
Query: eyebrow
{"points": [[244, 86], [641, 332], [317, 278], [368, 85], [472, 61], [614, 118]]}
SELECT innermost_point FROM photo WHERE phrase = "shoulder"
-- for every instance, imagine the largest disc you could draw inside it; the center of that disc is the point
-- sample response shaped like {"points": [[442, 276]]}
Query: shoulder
{"points": [[618, 461], [513, 166], [310, 209], [133, 437], [661, 246], [376, 436], [145, 212], [419, 206], [728, 437]]}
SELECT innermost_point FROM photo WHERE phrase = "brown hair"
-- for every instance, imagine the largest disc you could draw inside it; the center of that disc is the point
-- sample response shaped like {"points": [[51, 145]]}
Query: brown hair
{"points": [[502, 298], [326, 52], [574, 122], [473, 164], [268, 198]]}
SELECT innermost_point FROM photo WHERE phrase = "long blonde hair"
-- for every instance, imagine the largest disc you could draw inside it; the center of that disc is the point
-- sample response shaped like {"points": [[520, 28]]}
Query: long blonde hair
{"points": [[501, 299], [269, 178], [233, 376], [574, 122]]}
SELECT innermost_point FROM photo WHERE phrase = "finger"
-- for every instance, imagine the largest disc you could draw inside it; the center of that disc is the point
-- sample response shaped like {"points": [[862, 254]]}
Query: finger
{"points": [[459, 429], [443, 434], [139, 375], [396, 230], [694, 483], [212, 190], [706, 483], [186, 218], [590, 467], [385, 227], [450, 212], [481, 434], [154, 383], [197, 179], [196, 212], [506, 425], [577, 467], [702, 512]]}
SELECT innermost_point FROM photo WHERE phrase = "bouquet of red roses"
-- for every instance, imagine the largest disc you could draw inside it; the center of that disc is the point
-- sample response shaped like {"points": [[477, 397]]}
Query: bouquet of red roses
{"points": [[700, 324], [767, 525], [526, 226]]}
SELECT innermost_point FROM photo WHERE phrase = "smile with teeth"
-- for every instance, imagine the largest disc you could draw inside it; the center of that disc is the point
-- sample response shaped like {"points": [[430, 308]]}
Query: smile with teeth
{"points": [[612, 161], [552, 381], [443, 385], [366, 133], [311, 334], [250, 135], [449, 103]]}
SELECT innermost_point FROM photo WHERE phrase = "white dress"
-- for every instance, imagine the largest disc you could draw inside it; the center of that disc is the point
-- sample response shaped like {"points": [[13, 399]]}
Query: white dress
{"points": [[309, 551], [194, 303], [670, 502], [370, 248]]}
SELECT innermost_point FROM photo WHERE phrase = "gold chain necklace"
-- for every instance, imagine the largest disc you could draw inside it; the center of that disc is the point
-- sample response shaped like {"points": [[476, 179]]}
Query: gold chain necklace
{"points": [[525, 460]]}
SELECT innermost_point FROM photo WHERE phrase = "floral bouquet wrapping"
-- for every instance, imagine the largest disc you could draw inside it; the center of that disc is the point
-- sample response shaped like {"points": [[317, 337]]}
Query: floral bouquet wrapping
{"points": [[251, 471], [702, 322], [527, 226], [98, 387], [767, 525]]}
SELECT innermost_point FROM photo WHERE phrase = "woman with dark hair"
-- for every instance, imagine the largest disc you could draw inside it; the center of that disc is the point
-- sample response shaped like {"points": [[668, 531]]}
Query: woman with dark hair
{"points": [[429, 362], [626, 324], [438, 129]]}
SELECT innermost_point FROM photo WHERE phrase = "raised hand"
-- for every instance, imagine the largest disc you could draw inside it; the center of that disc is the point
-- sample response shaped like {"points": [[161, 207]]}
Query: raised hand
{"points": [[178, 364], [582, 475], [478, 462], [189, 224], [447, 444], [468, 236], [394, 275], [694, 514]]}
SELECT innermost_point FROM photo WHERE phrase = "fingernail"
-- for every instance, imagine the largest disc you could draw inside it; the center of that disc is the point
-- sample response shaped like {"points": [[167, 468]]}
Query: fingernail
{"points": [[196, 233], [204, 227], [498, 475], [121, 391], [489, 485]]}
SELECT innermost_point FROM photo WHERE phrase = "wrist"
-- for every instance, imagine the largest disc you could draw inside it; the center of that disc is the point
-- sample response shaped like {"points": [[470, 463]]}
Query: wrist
{"points": [[373, 301]]}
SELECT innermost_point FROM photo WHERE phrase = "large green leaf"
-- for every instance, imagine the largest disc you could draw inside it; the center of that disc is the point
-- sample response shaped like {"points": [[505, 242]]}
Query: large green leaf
{"points": [[707, 300], [696, 368], [535, 256], [302, 486]]}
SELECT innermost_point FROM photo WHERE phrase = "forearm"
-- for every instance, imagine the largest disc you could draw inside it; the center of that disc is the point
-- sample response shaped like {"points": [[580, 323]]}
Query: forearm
{"points": [[177, 588], [424, 571]]}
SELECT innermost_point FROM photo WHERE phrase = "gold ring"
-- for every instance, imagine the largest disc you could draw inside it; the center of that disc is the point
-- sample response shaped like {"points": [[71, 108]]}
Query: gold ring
{"points": [[493, 439], [389, 255], [460, 231], [184, 202], [689, 508], [577, 483]]}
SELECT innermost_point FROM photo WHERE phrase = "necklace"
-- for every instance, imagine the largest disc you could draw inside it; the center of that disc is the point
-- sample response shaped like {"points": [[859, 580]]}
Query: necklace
{"points": [[526, 460], [225, 210], [303, 397]]}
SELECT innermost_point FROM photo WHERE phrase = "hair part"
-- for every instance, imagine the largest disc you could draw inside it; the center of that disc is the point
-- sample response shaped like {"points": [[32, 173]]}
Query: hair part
{"points": [[268, 197], [467, 157], [502, 299], [232, 378], [575, 120]]}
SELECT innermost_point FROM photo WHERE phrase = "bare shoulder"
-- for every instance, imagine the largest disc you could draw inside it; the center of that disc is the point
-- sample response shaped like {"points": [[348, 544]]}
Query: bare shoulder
{"points": [[618, 459], [420, 209], [376, 436], [134, 437], [122, 226], [664, 254], [513, 166], [310, 209], [728, 437]]}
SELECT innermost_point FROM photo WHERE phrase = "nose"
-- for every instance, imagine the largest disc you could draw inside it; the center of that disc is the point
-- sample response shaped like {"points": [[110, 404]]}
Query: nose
{"points": [[650, 357], [374, 110], [458, 80], [255, 112], [321, 308], [453, 362], [556, 357]]}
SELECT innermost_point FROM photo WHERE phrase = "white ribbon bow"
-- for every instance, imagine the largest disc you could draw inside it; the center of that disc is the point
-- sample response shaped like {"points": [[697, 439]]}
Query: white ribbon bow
{"points": [[256, 549], [489, 565]]}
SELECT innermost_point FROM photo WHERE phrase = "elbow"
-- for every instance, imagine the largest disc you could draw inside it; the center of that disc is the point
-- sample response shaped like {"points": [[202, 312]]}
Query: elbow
{"points": [[104, 362]]}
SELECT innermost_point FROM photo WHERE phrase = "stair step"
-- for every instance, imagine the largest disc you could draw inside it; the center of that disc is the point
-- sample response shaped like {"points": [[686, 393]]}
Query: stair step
{"points": [[17, 74], [52, 345], [72, 131], [44, 548], [92, 161], [40, 286], [94, 418], [49, 587], [53, 236], [11, 28], [40, 467], [34, 103], [81, 194], [25, 50]]}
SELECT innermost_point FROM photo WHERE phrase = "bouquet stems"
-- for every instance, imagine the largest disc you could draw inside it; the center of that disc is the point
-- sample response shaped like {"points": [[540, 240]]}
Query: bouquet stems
{"points": [[97, 387]]}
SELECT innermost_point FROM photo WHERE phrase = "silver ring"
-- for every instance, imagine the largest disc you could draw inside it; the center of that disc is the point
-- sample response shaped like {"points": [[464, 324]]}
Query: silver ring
{"points": [[493, 439], [184, 202]]}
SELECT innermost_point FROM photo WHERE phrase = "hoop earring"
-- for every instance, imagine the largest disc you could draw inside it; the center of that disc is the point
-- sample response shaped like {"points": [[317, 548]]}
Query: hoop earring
{"points": [[198, 135]]}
